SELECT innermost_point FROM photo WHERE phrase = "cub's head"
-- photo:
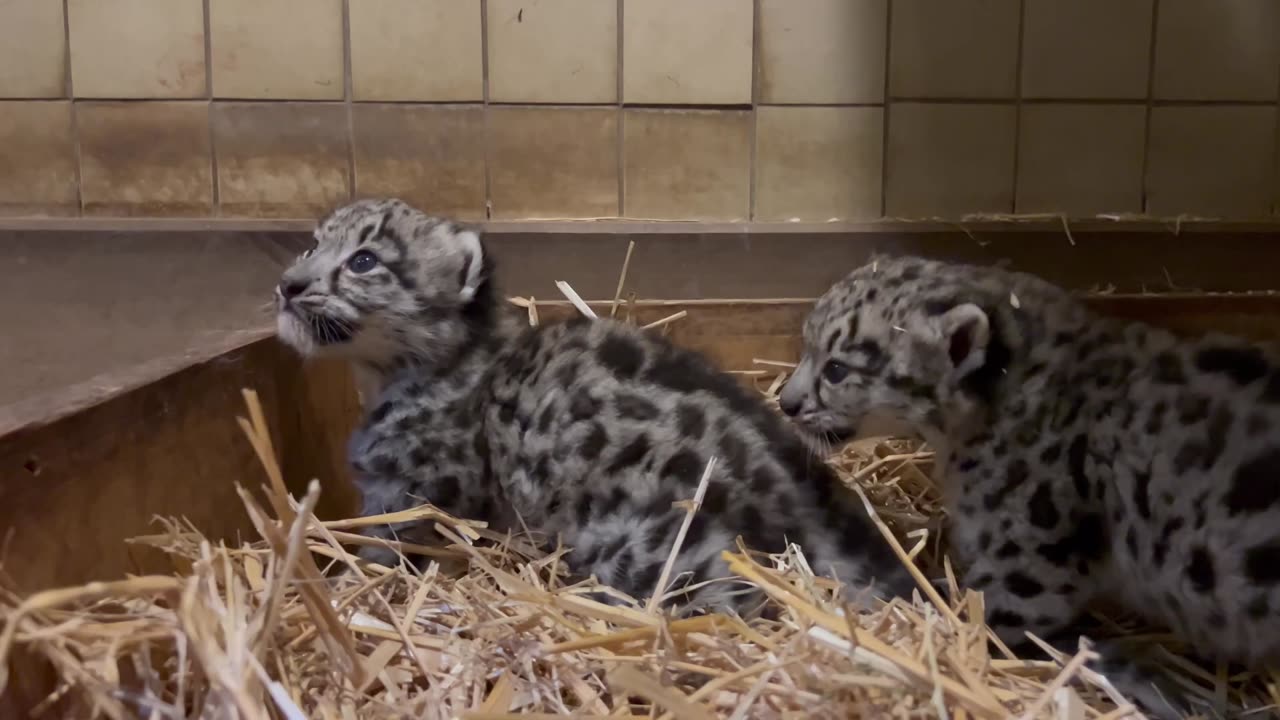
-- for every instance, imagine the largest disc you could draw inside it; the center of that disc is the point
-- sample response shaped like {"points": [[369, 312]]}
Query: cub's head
{"points": [[899, 337], [385, 282]]}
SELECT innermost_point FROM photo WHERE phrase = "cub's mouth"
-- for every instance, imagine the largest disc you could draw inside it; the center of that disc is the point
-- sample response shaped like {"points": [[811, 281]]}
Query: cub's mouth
{"points": [[823, 442], [834, 437], [829, 437], [310, 331]]}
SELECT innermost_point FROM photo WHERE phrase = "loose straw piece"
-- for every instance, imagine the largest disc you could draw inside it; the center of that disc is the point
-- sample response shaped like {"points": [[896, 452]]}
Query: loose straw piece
{"points": [[690, 510], [666, 320], [1068, 671], [336, 634], [574, 298], [613, 640], [925, 586], [622, 280]]}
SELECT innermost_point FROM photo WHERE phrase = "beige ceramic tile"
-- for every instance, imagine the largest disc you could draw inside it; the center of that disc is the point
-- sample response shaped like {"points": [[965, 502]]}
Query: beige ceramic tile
{"points": [[949, 160], [818, 164], [137, 48], [1211, 161], [1082, 160], [553, 162], [553, 51], [280, 159], [416, 50], [1086, 48], [953, 49], [683, 53], [687, 164], [33, 49], [145, 158], [37, 153], [277, 49], [431, 156], [822, 51], [1219, 50]]}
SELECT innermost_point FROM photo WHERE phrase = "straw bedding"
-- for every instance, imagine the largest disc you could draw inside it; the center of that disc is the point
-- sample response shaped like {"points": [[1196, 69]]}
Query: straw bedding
{"points": [[492, 630]]}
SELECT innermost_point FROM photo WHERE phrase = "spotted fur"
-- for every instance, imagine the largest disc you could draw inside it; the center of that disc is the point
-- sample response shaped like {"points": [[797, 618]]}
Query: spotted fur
{"points": [[586, 429], [1083, 458]]}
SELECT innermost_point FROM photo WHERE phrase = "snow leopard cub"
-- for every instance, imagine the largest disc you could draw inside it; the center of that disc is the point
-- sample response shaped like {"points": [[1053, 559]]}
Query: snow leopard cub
{"points": [[586, 429], [1083, 458]]}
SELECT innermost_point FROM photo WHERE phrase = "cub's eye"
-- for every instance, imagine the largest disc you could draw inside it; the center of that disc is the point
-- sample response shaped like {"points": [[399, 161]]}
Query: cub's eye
{"points": [[835, 371], [362, 262]]}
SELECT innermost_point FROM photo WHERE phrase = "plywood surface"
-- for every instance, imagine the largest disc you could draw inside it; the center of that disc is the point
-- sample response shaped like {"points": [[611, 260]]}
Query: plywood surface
{"points": [[72, 490]]}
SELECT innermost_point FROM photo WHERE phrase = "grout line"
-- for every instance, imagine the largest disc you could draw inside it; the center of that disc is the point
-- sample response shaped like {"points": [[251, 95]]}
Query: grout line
{"points": [[1151, 83], [884, 115], [208, 94], [715, 107], [485, 135], [1113, 102], [622, 115], [348, 92], [1083, 101], [1074, 101], [753, 154], [1262, 230], [1017, 106], [71, 107], [814, 105]]}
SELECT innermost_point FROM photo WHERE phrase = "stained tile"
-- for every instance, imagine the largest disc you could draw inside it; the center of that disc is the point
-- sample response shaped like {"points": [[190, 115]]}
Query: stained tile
{"points": [[145, 158], [679, 52], [33, 49], [428, 50], [954, 49], [553, 162], [277, 49], [822, 51], [1116, 37], [553, 51], [281, 159], [687, 164], [818, 164], [1212, 161], [37, 152], [137, 48], [1221, 50], [1082, 160], [431, 156], [949, 160]]}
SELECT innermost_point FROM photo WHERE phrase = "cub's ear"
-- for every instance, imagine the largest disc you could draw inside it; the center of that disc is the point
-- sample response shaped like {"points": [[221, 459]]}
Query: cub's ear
{"points": [[475, 264], [965, 330]]}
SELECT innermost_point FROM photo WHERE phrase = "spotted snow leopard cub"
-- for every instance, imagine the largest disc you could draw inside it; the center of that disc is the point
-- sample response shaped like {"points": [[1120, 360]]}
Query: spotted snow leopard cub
{"points": [[588, 429], [1082, 457]]}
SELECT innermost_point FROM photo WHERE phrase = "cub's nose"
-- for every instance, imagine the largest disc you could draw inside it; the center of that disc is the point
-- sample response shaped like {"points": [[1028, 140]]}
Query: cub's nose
{"points": [[290, 289], [789, 405]]}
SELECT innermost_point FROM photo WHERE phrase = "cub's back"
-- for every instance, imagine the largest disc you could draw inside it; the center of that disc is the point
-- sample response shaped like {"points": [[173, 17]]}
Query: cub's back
{"points": [[598, 428]]}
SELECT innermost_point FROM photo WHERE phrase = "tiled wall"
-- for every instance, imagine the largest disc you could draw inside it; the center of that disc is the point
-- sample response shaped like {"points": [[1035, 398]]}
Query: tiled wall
{"points": [[768, 110]]}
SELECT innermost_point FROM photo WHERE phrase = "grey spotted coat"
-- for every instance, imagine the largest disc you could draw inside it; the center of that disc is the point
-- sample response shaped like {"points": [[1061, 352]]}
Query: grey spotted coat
{"points": [[586, 430], [1083, 459]]}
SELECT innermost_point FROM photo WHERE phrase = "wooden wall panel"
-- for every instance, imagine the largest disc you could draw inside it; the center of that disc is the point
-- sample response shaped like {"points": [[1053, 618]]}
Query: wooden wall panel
{"points": [[73, 489]]}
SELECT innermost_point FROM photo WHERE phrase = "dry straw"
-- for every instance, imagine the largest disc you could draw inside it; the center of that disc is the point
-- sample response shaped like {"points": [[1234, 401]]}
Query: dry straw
{"points": [[492, 628]]}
